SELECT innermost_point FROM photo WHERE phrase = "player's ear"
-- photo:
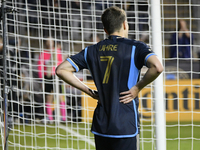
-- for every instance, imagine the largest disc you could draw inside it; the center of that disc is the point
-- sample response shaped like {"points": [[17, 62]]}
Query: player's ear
{"points": [[106, 31], [125, 25]]}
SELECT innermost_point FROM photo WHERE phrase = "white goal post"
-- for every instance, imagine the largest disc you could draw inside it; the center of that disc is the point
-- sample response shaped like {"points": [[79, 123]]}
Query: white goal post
{"points": [[68, 26], [160, 120]]}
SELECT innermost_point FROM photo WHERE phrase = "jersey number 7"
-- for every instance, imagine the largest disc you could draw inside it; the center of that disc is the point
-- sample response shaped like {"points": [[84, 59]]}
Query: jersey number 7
{"points": [[109, 60]]}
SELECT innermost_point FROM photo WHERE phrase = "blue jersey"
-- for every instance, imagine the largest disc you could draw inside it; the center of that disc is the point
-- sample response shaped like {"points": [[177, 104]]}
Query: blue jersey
{"points": [[114, 64]]}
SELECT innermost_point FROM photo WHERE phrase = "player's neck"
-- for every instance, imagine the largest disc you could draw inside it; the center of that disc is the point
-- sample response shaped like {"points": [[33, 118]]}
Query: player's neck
{"points": [[117, 34], [120, 33]]}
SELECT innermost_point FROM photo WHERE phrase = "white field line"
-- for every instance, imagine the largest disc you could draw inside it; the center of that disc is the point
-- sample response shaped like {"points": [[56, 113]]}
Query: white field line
{"points": [[82, 137]]}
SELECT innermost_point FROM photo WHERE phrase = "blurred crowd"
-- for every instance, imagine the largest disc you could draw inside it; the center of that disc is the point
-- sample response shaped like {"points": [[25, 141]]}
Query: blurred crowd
{"points": [[32, 88], [76, 21]]}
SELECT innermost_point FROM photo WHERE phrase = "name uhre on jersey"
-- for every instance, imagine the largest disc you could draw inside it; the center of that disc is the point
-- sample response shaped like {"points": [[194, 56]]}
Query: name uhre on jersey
{"points": [[109, 47]]}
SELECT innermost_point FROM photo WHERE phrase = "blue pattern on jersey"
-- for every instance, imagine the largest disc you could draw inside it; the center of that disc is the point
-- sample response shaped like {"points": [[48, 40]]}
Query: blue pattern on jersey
{"points": [[134, 72], [73, 64], [85, 55], [132, 80], [147, 58]]}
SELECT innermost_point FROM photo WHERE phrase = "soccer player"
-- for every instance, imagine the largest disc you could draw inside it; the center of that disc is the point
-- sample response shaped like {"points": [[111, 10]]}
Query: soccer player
{"points": [[114, 64]]}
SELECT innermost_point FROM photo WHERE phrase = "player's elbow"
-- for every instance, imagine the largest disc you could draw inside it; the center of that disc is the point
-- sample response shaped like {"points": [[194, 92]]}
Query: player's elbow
{"points": [[155, 64], [64, 68], [159, 68], [58, 71]]}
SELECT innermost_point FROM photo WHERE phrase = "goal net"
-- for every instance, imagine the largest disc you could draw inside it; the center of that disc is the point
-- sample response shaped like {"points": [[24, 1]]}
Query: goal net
{"points": [[180, 22], [46, 113]]}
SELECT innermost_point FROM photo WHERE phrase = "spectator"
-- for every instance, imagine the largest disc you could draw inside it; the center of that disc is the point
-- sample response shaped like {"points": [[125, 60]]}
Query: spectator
{"points": [[48, 60], [76, 25], [143, 15], [32, 16], [47, 19], [61, 18], [131, 18], [14, 106], [181, 41], [96, 11]]}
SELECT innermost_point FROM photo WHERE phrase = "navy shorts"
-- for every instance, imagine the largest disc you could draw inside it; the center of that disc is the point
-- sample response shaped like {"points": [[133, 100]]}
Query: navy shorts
{"points": [[50, 84], [106, 143]]}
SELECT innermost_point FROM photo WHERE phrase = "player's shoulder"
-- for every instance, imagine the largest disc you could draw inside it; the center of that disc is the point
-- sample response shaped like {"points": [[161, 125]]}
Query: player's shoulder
{"points": [[126, 41], [95, 46], [133, 42], [139, 43]]}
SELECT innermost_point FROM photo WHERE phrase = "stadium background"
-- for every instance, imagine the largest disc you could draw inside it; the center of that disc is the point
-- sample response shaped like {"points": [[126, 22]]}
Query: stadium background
{"points": [[74, 25]]}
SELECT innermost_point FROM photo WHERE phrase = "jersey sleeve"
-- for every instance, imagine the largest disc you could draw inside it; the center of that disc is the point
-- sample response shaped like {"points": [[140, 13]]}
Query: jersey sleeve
{"points": [[142, 53], [78, 61]]}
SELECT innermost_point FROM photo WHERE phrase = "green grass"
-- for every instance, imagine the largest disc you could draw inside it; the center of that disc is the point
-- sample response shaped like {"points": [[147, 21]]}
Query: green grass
{"points": [[56, 138], [179, 137], [188, 136]]}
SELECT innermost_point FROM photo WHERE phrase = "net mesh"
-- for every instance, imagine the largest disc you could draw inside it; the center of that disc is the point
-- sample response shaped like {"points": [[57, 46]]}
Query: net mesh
{"points": [[42, 30]]}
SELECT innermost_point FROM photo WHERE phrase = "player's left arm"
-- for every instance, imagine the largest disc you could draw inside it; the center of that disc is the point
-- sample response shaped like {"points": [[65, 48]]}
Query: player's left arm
{"points": [[155, 68], [65, 71]]}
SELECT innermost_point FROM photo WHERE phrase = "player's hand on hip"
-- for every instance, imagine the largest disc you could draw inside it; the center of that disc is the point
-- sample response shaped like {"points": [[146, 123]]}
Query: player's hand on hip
{"points": [[128, 96], [94, 94]]}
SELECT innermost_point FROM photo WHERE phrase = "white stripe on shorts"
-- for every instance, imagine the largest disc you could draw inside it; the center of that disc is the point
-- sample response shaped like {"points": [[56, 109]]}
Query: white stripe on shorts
{"points": [[138, 141]]}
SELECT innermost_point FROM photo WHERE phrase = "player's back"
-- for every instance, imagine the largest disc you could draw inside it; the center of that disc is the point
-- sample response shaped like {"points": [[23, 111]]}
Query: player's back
{"points": [[113, 68]]}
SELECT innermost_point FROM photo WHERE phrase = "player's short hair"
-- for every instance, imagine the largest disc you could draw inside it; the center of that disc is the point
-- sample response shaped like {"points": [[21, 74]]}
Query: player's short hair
{"points": [[112, 19]]}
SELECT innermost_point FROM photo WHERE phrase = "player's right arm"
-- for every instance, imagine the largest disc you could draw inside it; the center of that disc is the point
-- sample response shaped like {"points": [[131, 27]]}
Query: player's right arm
{"points": [[65, 71], [155, 68]]}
